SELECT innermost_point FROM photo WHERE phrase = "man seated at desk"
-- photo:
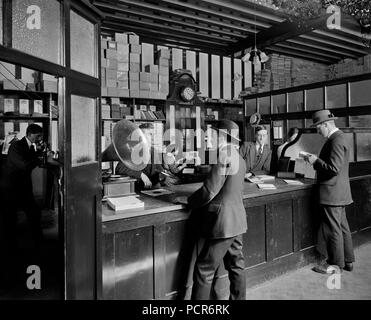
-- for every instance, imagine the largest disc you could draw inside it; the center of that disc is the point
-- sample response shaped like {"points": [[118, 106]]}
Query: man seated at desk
{"points": [[257, 155]]}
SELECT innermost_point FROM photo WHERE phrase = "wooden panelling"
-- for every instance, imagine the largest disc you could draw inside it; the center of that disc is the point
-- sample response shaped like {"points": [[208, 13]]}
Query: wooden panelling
{"points": [[309, 216], [254, 238], [134, 264], [282, 228]]}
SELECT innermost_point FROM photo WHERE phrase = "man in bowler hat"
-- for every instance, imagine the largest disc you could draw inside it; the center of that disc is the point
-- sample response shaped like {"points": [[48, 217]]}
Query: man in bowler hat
{"points": [[332, 166], [218, 206]]}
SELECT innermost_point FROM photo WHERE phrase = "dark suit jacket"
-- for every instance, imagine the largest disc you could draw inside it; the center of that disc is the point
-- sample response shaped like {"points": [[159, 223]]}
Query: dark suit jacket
{"points": [[218, 204], [254, 163], [20, 162], [152, 170], [332, 168]]}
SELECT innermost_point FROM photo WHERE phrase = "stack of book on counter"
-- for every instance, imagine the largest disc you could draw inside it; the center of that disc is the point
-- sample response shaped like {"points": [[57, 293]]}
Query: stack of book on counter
{"points": [[266, 186], [259, 178], [125, 203]]}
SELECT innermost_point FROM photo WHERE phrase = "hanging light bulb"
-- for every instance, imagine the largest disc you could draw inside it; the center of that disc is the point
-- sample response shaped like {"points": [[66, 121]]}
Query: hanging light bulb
{"points": [[256, 59], [263, 57]]}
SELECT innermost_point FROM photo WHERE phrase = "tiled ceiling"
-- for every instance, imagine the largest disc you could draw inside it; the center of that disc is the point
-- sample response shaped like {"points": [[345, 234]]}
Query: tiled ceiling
{"points": [[229, 27]]}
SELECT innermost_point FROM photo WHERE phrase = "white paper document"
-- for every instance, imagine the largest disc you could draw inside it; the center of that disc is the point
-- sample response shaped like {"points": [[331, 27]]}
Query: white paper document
{"points": [[266, 186], [125, 203], [293, 182], [157, 192]]}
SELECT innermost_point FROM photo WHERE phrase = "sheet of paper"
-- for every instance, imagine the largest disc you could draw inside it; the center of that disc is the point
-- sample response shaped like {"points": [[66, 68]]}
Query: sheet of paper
{"points": [[299, 166], [293, 182], [309, 172], [265, 177], [266, 186]]}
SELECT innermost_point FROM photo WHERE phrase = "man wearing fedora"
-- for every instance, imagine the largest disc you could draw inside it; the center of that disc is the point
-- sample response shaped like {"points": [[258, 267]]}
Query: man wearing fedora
{"points": [[332, 166], [220, 214]]}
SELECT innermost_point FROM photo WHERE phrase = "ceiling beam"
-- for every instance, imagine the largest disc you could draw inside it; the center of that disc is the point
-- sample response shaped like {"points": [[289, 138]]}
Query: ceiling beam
{"points": [[333, 44], [158, 33], [183, 15], [195, 8], [244, 9], [173, 21], [275, 49], [175, 43], [168, 28], [332, 34], [308, 50], [282, 32], [327, 49]]}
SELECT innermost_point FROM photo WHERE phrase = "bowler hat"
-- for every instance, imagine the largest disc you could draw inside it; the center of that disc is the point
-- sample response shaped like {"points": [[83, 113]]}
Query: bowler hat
{"points": [[322, 116], [227, 126]]}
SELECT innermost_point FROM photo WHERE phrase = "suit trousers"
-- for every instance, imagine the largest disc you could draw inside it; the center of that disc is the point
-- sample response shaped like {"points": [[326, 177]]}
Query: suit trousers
{"points": [[213, 253], [334, 237]]}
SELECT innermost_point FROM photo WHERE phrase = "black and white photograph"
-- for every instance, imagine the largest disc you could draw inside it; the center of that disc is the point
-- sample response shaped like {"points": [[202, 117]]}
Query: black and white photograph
{"points": [[185, 153]]}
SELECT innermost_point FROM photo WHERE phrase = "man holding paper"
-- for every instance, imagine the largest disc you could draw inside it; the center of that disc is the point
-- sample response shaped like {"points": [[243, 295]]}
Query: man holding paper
{"points": [[332, 166]]}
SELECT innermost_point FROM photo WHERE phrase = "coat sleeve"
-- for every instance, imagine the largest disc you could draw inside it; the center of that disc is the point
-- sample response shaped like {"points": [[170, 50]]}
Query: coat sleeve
{"points": [[333, 165], [212, 185], [18, 159], [124, 170]]}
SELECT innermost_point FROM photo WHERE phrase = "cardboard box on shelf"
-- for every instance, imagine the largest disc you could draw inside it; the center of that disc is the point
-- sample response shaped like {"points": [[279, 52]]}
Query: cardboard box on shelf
{"points": [[164, 71], [14, 84], [163, 87], [123, 48], [112, 45], [134, 66], [144, 85], [112, 64], [163, 79], [134, 85], [110, 54], [134, 57], [122, 75], [49, 86], [163, 62], [123, 57], [114, 100], [152, 68], [106, 111], [104, 91], [112, 92], [133, 39], [153, 77], [104, 44], [134, 75], [121, 38], [123, 66], [134, 93], [111, 74], [9, 105], [123, 84], [112, 83], [163, 53], [143, 94], [144, 76], [153, 86], [135, 48], [103, 63], [38, 106]]}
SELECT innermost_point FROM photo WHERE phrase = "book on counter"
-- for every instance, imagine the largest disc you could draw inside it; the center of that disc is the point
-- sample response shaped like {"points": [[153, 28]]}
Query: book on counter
{"points": [[266, 186], [125, 203]]}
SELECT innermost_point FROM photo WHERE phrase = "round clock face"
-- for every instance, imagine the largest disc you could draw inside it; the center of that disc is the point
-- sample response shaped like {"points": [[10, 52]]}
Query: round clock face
{"points": [[187, 93]]}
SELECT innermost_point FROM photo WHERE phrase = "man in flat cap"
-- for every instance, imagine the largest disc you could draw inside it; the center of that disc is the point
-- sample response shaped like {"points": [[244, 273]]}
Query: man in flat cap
{"points": [[332, 166]]}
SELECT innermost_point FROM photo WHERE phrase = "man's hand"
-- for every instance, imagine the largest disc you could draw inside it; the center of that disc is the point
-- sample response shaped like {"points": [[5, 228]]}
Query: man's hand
{"points": [[181, 199], [147, 182], [310, 158]]}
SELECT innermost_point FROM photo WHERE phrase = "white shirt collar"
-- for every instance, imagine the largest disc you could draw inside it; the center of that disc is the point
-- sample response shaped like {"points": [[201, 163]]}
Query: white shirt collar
{"points": [[332, 132], [258, 146], [28, 142]]}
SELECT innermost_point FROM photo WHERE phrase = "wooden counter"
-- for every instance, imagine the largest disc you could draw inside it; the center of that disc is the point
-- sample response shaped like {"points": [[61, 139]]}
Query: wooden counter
{"points": [[149, 253]]}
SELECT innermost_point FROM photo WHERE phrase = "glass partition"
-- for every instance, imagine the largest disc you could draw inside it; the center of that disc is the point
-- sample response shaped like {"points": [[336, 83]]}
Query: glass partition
{"points": [[296, 101], [36, 28], [279, 103], [341, 122], [363, 146], [265, 105], [83, 133], [360, 93], [250, 106], [298, 123], [336, 96], [314, 99], [363, 121], [83, 48], [309, 142]]}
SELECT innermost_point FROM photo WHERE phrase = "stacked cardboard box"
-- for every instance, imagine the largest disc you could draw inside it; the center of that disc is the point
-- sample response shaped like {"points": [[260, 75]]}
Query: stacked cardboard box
{"points": [[121, 70]]}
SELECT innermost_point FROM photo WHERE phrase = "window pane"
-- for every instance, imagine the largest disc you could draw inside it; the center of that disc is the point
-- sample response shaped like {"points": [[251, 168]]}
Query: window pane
{"points": [[341, 122], [363, 146], [298, 123], [336, 96], [360, 121], [349, 138], [360, 93], [265, 105], [83, 49], [296, 101], [315, 99], [83, 120], [37, 28], [279, 103], [250, 107]]}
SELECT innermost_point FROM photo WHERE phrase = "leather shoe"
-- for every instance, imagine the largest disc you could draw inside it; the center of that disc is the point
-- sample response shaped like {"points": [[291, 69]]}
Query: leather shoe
{"points": [[326, 268], [348, 266]]}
